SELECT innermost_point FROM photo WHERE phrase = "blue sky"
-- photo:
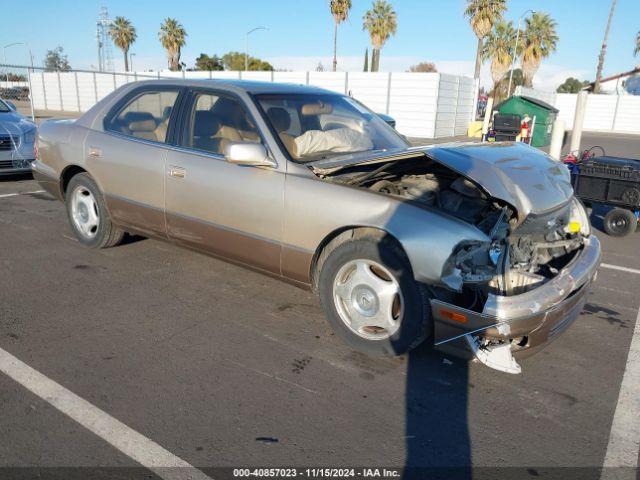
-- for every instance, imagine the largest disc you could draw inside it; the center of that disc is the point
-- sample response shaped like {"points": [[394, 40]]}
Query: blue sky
{"points": [[300, 33]]}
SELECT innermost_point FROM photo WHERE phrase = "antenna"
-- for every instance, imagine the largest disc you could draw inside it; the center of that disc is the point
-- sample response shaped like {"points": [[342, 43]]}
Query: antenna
{"points": [[103, 38]]}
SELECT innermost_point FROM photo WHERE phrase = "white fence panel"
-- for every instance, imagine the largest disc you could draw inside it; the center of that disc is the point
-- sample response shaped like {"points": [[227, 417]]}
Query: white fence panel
{"points": [[335, 81], [259, 76], [600, 112], [371, 89], [299, 78], [424, 105], [37, 91], [413, 103], [5, 84], [566, 103], [53, 90], [69, 98], [628, 114]]}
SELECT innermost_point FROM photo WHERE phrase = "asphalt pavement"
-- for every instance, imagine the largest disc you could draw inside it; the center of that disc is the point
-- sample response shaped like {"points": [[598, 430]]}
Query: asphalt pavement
{"points": [[225, 367]]}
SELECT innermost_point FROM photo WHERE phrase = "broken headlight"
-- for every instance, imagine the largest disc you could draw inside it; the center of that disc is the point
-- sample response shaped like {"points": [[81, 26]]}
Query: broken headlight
{"points": [[578, 219]]}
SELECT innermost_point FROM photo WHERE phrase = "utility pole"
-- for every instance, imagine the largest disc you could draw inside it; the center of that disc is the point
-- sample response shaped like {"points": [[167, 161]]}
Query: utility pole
{"points": [[603, 50]]}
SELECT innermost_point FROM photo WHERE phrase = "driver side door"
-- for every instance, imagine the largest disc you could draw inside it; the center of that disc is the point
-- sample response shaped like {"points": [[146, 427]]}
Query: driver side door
{"points": [[229, 210]]}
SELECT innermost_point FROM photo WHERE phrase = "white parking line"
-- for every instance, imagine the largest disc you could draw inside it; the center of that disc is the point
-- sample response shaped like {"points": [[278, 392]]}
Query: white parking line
{"points": [[622, 269], [136, 446], [5, 195], [624, 439]]}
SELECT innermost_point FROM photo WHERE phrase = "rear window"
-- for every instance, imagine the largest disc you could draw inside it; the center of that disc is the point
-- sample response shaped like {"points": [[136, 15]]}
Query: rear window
{"points": [[146, 116]]}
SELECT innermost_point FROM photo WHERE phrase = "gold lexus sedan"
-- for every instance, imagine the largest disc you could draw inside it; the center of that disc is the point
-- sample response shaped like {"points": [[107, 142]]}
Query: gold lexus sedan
{"points": [[480, 249]]}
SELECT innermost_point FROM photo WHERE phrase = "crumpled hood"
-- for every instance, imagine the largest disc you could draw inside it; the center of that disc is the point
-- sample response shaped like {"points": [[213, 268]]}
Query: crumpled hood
{"points": [[517, 173], [523, 176]]}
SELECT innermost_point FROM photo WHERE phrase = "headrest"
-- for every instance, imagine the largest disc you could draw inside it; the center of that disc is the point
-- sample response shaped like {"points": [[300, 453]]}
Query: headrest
{"points": [[280, 119], [140, 121], [318, 108], [205, 124]]}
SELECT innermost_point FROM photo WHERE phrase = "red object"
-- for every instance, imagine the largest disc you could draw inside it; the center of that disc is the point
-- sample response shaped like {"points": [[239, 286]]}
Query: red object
{"points": [[524, 130]]}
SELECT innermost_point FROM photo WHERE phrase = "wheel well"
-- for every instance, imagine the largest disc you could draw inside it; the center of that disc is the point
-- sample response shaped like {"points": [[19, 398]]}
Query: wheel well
{"points": [[67, 174], [337, 237]]}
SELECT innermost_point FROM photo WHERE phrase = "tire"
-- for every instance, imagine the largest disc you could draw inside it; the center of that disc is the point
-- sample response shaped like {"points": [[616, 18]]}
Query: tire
{"points": [[354, 300], [88, 214], [620, 222]]}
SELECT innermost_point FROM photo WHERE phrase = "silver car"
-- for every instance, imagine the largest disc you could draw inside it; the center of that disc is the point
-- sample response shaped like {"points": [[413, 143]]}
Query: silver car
{"points": [[481, 249], [17, 139]]}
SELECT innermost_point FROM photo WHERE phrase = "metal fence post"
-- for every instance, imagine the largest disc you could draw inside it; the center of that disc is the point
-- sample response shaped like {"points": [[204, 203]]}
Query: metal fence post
{"points": [[60, 92], [115, 86], [75, 75], [455, 108], [307, 77], [33, 113], [95, 86], [388, 93], [346, 83], [615, 113], [44, 91]]}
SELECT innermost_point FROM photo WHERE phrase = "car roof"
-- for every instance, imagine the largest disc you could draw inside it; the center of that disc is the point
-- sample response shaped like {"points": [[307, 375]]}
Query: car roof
{"points": [[248, 86]]}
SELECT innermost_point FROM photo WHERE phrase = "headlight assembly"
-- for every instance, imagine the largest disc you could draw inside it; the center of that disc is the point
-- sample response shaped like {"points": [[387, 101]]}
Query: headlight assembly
{"points": [[578, 219]]}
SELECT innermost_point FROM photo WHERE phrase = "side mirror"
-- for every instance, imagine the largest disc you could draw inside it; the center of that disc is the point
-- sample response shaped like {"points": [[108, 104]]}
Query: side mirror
{"points": [[246, 153]]}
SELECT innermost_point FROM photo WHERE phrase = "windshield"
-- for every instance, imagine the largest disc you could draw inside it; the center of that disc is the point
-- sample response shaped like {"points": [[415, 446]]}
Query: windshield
{"points": [[4, 107], [319, 126]]}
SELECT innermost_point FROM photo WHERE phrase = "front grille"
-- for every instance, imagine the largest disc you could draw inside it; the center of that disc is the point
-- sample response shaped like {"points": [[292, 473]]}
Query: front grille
{"points": [[7, 142], [6, 164]]}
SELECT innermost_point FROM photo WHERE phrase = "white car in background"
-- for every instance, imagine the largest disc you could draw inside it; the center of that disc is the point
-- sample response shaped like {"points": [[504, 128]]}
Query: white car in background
{"points": [[17, 138]]}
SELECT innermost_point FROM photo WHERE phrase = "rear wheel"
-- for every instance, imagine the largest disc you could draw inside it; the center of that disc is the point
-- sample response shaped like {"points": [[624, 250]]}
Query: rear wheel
{"points": [[620, 222], [88, 214], [370, 297]]}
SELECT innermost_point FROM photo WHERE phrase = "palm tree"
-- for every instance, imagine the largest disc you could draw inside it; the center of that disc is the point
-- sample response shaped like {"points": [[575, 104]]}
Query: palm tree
{"points": [[340, 11], [123, 34], [636, 50], [498, 47], [482, 16], [603, 49], [381, 22], [539, 41], [172, 36]]}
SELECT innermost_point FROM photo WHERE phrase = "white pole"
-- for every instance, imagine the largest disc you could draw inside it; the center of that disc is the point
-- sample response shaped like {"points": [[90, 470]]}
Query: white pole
{"points": [[487, 117], [578, 122], [515, 50], [513, 61], [557, 136]]}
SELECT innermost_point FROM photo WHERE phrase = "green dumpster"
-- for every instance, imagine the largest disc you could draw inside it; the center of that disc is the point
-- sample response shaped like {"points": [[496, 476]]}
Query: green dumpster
{"points": [[544, 114]]}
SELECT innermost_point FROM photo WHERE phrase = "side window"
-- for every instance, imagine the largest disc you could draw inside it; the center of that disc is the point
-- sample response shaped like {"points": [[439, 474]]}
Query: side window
{"points": [[216, 121], [146, 116]]}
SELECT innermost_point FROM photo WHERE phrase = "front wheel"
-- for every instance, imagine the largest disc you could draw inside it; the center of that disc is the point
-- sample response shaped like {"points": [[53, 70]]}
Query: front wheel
{"points": [[620, 222], [370, 297], [88, 214]]}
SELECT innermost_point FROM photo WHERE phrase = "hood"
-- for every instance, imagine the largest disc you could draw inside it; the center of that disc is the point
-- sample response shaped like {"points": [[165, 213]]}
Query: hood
{"points": [[523, 176], [14, 123]]}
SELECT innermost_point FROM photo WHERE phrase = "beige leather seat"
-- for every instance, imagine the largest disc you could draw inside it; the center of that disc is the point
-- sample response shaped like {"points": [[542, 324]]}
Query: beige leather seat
{"points": [[206, 126], [161, 129], [235, 126], [141, 125], [281, 121]]}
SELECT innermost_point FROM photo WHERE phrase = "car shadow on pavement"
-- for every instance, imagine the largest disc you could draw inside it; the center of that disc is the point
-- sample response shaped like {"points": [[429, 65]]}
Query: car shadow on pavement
{"points": [[16, 177], [436, 421]]}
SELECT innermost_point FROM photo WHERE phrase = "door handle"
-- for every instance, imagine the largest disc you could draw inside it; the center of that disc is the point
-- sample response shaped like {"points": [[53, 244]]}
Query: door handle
{"points": [[176, 172], [95, 152]]}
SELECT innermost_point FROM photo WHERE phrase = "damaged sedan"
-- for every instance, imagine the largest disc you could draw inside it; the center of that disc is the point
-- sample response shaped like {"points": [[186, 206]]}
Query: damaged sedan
{"points": [[479, 249]]}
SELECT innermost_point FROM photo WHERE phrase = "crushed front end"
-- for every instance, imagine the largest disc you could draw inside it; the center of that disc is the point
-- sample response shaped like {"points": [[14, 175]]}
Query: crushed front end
{"points": [[515, 294]]}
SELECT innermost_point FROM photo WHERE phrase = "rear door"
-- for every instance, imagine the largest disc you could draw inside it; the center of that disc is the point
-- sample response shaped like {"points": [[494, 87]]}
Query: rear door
{"points": [[128, 157], [226, 209]]}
